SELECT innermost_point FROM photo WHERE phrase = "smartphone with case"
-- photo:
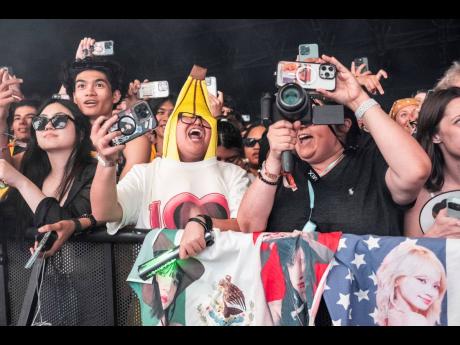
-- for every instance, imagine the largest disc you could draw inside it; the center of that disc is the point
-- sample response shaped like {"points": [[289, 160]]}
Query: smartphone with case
{"points": [[308, 51], [308, 75], [134, 122], [360, 61], [211, 84], [103, 48], [154, 89], [453, 207]]}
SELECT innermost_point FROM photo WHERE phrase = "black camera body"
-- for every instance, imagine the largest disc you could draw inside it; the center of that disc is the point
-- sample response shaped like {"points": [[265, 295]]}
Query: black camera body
{"points": [[294, 103], [134, 122], [295, 99]]}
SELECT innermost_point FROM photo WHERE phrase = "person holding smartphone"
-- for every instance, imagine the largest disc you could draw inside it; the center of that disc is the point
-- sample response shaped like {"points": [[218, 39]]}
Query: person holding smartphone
{"points": [[53, 182]]}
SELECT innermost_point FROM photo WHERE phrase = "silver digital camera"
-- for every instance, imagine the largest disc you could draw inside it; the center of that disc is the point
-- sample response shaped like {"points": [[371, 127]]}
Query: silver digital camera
{"points": [[134, 122]]}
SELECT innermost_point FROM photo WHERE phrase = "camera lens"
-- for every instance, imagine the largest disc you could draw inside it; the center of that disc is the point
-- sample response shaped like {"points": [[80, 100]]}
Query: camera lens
{"points": [[291, 97], [292, 101], [330, 68], [142, 111], [327, 74], [126, 125], [323, 68]]}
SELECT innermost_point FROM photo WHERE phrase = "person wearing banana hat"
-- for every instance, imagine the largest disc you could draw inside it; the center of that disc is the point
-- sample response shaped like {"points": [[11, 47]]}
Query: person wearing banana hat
{"points": [[187, 181]]}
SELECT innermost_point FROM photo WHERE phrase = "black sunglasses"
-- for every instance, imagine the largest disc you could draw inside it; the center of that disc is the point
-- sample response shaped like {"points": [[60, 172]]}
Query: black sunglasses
{"points": [[251, 142], [59, 121]]}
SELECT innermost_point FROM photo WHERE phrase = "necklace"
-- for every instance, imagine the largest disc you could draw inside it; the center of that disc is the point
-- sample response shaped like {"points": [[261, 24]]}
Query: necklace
{"points": [[331, 165]]}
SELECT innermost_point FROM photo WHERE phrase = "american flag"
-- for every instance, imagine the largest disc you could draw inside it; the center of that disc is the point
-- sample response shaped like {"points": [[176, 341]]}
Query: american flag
{"points": [[351, 285]]}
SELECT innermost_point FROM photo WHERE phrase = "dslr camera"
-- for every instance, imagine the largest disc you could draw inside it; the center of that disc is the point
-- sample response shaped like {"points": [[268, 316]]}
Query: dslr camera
{"points": [[296, 95], [134, 122], [296, 98]]}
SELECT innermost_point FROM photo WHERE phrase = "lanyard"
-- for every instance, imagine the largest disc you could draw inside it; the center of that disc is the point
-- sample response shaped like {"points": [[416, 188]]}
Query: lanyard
{"points": [[311, 226]]}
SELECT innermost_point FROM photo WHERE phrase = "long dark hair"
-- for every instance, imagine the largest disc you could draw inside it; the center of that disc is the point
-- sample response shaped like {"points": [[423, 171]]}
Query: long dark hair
{"points": [[431, 114], [36, 166]]}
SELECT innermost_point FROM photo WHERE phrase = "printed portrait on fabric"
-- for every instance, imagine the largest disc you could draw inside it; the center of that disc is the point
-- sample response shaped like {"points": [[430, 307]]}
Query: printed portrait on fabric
{"points": [[388, 281]]}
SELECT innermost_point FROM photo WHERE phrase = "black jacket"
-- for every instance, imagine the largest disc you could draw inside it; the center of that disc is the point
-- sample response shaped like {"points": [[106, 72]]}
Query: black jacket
{"points": [[77, 203], [48, 210]]}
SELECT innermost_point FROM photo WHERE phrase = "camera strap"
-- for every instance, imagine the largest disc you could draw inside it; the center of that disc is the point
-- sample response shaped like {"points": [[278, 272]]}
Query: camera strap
{"points": [[288, 181]]}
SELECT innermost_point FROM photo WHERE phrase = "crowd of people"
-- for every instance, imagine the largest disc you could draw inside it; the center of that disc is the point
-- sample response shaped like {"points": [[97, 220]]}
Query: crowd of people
{"points": [[204, 167]]}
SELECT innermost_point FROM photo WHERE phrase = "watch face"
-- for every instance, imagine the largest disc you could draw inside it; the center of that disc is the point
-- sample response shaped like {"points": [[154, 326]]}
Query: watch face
{"points": [[432, 207]]}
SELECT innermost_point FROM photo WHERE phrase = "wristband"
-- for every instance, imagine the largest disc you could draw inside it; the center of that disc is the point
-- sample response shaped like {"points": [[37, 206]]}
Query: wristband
{"points": [[266, 181], [269, 174], [208, 221], [91, 219], [105, 163], [365, 106], [78, 229]]}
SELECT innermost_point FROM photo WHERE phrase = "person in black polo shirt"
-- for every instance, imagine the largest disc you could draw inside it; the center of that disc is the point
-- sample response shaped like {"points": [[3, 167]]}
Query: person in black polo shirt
{"points": [[361, 191]]}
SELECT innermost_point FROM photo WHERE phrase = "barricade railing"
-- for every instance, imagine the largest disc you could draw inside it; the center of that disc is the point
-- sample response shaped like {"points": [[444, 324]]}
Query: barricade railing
{"points": [[83, 284]]}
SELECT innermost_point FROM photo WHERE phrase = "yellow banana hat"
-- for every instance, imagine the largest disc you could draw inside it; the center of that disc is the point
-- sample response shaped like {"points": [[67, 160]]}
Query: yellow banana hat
{"points": [[192, 99]]}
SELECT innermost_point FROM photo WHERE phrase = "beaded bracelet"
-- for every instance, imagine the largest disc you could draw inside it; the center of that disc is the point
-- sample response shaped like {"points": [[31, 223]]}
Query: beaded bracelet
{"points": [[266, 181]]}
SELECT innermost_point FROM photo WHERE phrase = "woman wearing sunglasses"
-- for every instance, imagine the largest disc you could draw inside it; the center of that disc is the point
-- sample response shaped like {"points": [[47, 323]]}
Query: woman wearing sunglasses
{"points": [[251, 144], [54, 180]]}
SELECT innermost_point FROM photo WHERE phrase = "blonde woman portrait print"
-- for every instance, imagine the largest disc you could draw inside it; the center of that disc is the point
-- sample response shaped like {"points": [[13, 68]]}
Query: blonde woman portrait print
{"points": [[411, 284]]}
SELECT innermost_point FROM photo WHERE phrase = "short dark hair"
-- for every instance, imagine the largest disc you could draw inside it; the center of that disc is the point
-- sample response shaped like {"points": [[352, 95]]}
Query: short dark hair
{"points": [[228, 135], [112, 69], [24, 103], [156, 103]]}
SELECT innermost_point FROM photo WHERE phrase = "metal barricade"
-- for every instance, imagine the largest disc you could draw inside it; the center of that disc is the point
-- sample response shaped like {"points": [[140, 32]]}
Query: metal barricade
{"points": [[83, 284]]}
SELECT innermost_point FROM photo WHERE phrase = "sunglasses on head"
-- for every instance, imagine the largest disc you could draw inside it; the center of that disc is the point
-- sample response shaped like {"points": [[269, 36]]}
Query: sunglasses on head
{"points": [[251, 142], [58, 121]]}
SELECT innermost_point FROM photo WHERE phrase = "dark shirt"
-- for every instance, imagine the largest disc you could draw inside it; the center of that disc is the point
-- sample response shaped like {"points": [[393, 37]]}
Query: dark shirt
{"points": [[48, 210], [352, 198]]}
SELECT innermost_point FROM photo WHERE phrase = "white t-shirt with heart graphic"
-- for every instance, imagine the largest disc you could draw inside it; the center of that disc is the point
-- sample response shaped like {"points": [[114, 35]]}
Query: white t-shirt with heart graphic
{"points": [[160, 194]]}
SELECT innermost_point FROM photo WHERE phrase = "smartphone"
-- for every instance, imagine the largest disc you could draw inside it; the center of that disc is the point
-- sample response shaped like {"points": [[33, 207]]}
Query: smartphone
{"points": [[211, 84], [45, 243], [134, 122], [246, 117], [103, 48], [60, 96], [362, 60], [9, 69], [17, 93], [308, 75], [154, 89], [308, 51], [453, 207]]}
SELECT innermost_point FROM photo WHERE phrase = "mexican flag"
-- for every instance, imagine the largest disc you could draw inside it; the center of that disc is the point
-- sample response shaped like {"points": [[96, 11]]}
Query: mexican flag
{"points": [[241, 279]]}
